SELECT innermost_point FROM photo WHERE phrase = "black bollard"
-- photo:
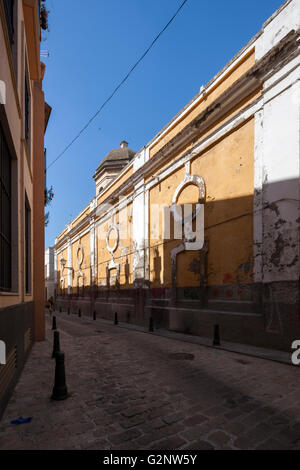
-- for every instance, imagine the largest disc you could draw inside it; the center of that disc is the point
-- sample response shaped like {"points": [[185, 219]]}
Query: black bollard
{"points": [[60, 391], [94, 315], [68, 310], [116, 318], [216, 341], [151, 324], [59, 309], [56, 347], [54, 323], [79, 312]]}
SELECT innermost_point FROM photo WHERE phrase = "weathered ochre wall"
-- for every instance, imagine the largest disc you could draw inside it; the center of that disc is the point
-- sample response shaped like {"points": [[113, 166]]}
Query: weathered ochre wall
{"points": [[160, 261], [85, 266], [230, 77], [61, 235], [209, 131], [227, 169], [81, 216], [123, 253]]}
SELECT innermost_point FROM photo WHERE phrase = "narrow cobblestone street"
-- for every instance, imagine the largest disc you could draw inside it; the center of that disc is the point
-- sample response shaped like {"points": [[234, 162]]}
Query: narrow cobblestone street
{"points": [[131, 390]]}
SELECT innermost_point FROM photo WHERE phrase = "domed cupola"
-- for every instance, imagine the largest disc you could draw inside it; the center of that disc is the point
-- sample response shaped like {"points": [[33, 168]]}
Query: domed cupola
{"points": [[111, 166]]}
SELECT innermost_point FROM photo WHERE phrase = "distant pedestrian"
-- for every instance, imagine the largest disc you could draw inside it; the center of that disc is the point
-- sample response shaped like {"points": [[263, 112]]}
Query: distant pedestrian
{"points": [[51, 305]]}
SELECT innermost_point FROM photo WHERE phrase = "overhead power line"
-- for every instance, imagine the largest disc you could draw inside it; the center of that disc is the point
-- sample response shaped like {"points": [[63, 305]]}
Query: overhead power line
{"points": [[118, 86]]}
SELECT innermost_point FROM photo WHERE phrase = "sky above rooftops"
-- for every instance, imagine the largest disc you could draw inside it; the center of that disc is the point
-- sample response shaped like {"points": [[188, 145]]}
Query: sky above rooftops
{"points": [[92, 46]]}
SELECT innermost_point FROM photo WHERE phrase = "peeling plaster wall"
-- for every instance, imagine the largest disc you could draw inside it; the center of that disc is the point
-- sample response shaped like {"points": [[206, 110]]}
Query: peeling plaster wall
{"points": [[227, 169], [276, 247], [277, 160], [286, 18], [281, 184]]}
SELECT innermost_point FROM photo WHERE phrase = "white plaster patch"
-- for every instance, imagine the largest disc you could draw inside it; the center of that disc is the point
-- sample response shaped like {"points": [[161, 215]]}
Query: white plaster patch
{"points": [[281, 171], [139, 160], [70, 270], [2, 353], [257, 205], [2, 92], [138, 233]]}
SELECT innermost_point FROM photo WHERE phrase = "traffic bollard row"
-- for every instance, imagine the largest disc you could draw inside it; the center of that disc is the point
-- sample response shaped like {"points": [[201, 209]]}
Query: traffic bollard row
{"points": [[216, 340], [56, 346], [54, 323], [60, 391]]}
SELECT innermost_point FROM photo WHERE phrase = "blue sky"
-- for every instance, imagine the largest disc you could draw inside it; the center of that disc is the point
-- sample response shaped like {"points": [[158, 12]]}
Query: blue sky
{"points": [[93, 44]]}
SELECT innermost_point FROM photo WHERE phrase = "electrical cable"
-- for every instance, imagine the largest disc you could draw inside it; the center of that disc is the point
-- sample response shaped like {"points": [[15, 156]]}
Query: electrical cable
{"points": [[118, 86]]}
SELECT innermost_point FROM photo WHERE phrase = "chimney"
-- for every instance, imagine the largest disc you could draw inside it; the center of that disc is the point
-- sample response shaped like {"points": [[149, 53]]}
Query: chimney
{"points": [[124, 144]]}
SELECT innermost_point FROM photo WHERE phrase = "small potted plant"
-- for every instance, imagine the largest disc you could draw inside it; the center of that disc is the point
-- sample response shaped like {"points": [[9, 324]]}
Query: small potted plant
{"points": [[44, 17]]}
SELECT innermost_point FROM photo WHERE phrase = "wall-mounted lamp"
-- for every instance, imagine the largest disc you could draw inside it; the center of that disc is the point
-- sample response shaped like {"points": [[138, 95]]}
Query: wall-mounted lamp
{"points": [[63, 262]]}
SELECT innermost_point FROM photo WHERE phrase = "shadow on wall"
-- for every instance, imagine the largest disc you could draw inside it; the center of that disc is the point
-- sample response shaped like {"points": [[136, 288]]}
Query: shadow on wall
{"points": [[252, 255]]}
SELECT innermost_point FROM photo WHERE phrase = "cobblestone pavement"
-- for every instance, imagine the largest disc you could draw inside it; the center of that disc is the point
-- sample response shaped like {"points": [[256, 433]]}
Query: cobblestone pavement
{"points": [[131, 390]]}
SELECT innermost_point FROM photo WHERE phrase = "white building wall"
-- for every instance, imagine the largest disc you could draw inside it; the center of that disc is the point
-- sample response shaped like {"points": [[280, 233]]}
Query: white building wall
{"points": [[139, 233], [279, 25], [277, 160], [50, 272]]}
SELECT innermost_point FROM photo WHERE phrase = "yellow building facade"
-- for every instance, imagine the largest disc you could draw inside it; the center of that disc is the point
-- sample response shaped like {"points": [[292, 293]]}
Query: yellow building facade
{"points": [[229, 154]]}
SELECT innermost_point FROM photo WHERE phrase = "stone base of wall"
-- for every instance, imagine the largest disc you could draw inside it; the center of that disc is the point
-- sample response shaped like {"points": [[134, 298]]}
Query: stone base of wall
{"points": [[16, 330], [259, 315]]}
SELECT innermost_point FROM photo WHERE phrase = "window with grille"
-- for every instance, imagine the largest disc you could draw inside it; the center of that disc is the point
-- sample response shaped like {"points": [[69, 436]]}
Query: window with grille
{"points": [[9, 14], [5, 215]]}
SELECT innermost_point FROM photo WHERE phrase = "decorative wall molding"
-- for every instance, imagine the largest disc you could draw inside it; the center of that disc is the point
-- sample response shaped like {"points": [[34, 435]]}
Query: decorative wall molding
{"points": [[112, 264], [79, 258], [188, 180]]}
